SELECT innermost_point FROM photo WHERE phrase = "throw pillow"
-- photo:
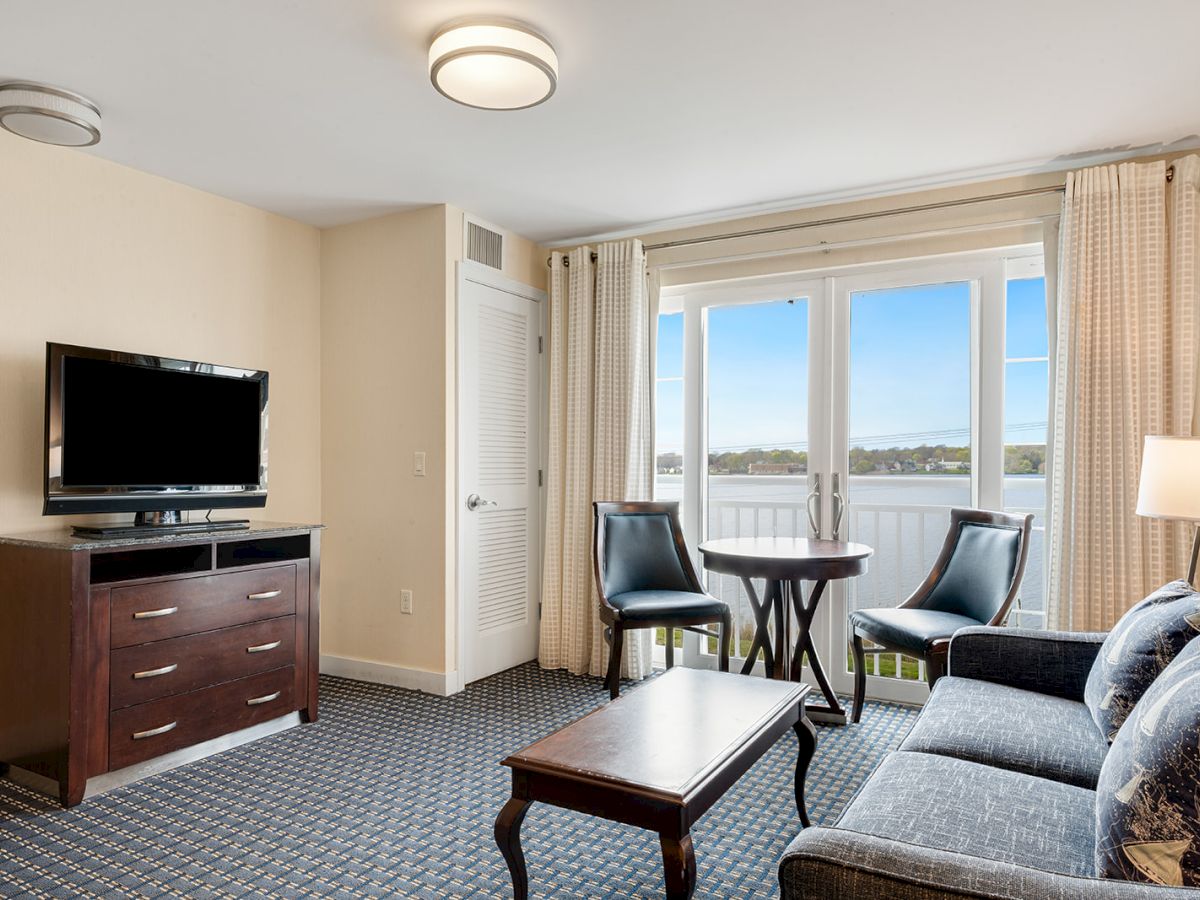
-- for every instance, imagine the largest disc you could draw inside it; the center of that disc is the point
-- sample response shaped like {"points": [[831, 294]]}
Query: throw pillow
{"points": [[1147, 825], [1141, 645]]}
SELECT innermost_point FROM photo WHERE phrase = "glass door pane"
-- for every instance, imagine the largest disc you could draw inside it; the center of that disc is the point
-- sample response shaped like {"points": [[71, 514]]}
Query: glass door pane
{"points": [[1026, 400], [911, 449], [757, 433]]}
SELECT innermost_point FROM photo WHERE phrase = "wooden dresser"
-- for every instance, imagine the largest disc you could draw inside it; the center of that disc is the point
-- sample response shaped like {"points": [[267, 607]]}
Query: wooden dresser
{"points": [[115, 652]]}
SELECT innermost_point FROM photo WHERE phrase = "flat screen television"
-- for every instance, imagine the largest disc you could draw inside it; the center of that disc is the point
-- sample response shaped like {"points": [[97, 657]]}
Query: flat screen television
{"points": [[151, 435]]}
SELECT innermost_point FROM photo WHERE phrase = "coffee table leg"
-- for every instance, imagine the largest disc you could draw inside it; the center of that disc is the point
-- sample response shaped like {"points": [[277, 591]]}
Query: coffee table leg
{"points": [[808, 746], [679, 866], [508, 839]]}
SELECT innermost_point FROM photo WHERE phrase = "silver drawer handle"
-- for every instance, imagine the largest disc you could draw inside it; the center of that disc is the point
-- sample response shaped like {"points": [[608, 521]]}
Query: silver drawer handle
{"points": [[150, 673], [255, 701], [155, 613], [264, 595], [162, 729], [260, 648]]}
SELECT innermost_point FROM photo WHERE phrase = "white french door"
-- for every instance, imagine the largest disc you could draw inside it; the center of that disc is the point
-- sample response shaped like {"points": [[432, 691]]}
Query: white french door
{"points": [[859, 404], [498, 504]]}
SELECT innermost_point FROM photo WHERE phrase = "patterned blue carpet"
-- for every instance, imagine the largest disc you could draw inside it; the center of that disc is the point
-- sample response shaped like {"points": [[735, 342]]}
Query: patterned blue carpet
{"points": [[393, 794]]}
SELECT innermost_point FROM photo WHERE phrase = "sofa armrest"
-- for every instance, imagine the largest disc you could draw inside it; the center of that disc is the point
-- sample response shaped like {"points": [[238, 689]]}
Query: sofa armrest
{"points": [[835, 864], [1049, 662]]}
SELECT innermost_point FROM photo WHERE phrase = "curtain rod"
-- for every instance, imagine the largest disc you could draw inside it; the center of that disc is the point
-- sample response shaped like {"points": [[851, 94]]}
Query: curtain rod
{"points": [[856, 217], [842, 220]]}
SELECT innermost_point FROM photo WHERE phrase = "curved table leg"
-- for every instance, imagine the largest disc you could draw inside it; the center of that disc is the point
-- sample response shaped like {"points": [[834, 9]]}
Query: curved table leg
{"points": [[804, 643], [779, 605], [679, 866], [807, 735], [508, 839], [762, 638]]}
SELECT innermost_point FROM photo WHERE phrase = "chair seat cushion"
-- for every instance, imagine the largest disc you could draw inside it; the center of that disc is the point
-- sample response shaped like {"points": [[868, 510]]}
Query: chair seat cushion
{"points": [[649, 605], [910, 629], [1139, 647], [964, 807], [1010, 728]]}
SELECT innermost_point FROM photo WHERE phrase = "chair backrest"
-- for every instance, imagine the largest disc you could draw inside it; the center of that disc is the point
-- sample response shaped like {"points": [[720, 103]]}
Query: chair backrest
{"points": [[980, 567], [638, 546]]}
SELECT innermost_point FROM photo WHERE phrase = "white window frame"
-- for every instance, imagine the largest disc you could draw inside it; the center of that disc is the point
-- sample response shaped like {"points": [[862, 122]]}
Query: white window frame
{"points": [[828, 292]]}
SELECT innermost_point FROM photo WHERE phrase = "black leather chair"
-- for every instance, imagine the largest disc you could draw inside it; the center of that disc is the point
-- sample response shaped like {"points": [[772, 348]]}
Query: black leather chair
{"points": [[973, 582], [645, 579]]}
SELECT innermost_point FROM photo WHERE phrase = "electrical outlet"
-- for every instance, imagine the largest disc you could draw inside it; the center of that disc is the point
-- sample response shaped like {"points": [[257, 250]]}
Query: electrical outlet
{"points": [[419, 463], [406, 602]]}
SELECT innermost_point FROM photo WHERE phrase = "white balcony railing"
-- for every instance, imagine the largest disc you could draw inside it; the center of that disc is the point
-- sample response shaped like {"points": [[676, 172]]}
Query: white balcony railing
{"points": [[906, 539]]}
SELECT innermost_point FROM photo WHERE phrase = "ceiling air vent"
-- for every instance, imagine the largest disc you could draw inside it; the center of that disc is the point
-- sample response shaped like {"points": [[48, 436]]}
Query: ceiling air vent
{"points": [[483, 244]]}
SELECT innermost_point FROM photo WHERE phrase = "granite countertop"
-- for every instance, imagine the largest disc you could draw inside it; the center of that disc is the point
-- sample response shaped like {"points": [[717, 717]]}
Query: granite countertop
{"points": [[62, 539]]}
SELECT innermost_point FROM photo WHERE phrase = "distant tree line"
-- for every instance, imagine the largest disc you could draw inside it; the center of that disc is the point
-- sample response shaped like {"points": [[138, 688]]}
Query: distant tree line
{"points": [[937, 459]]}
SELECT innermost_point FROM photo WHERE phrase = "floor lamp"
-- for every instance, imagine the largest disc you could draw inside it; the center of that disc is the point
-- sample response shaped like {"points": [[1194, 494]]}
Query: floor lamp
{"points": [[1170, 484]]}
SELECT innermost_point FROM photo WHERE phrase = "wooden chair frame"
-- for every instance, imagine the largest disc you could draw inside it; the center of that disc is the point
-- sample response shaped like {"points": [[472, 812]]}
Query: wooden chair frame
{"points": [[935, 659], [615, 626]]}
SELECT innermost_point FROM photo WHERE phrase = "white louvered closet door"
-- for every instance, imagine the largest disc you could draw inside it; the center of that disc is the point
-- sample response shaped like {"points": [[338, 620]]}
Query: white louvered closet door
{"points": [[498, 509]]}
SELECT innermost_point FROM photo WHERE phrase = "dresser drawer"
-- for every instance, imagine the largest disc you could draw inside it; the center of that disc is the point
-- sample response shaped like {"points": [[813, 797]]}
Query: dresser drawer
{"points": [[142, 732], [167, 609], [176, 665]]}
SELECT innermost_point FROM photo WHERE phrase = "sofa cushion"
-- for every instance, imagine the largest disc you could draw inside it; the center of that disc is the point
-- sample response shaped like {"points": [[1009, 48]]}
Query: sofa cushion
{"points": [[1010, 728], [909, 629], [965, 807], [1147, 815], [1142, 644]]}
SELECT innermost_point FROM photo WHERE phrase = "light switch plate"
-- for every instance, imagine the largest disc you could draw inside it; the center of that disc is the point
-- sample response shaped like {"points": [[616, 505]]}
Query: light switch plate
{"points": [[406, 602], [419, 463]]}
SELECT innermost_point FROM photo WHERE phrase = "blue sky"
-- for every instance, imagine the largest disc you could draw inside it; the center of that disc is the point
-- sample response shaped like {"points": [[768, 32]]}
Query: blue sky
{"points": [[909, 370]]}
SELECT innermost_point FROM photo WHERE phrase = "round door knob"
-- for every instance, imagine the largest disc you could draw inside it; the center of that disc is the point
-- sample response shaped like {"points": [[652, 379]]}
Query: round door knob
{"points": [[475, 502]]}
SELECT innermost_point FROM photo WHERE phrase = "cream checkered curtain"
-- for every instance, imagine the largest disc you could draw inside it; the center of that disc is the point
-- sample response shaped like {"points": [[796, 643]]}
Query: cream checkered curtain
{"points": [[1126, 366], [601, 441]]}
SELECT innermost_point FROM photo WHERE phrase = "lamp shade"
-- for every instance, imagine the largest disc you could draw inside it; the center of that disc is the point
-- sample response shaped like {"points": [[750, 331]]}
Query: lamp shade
{"points": [[493, 64], [1170, 482]]}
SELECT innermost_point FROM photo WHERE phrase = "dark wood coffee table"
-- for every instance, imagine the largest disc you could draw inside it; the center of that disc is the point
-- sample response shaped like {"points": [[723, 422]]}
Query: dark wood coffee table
{"points": [[657, 757]]}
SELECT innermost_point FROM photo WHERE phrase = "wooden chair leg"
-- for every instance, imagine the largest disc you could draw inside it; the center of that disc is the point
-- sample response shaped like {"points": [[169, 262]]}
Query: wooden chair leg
{"points": [[860, 677], [724, 634], [935, 666], [614, 661], [670, 647]]}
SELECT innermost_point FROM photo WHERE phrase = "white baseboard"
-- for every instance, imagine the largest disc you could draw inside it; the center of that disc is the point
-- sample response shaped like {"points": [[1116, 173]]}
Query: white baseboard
{"points": [[441, 683]]}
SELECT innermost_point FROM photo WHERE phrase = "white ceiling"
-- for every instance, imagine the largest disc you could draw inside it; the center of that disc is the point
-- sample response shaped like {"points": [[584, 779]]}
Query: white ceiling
{"points": [[666, 110]]}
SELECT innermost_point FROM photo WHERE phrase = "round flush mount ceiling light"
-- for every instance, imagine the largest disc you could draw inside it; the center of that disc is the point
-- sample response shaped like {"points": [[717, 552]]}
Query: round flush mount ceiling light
{"points": [[493, 64], [48, 114]]}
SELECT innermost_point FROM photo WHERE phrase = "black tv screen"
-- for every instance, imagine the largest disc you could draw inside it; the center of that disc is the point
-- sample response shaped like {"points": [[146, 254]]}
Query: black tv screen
{"points": [[134, 432]]}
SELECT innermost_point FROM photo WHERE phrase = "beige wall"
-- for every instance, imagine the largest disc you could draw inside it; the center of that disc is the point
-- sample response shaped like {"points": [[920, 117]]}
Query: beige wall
{"points": [[388, 328], [97, 254]]}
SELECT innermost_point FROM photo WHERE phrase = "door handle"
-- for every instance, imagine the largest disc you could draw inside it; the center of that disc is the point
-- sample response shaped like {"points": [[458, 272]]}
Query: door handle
{"points": [[475, 502], [814, 518], [156, 613], [154, 732], [839, 507], [262, 648], [266, 698], [263, 595]]}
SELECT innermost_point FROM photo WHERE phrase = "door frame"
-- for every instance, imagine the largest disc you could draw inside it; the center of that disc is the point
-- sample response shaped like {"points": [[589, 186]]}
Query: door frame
{"points": [[470, 271], [828, 291]]}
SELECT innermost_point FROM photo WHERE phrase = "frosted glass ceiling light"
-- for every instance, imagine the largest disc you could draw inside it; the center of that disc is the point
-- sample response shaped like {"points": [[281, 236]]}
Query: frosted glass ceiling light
{"points": [[493, 64], [48, 114]]}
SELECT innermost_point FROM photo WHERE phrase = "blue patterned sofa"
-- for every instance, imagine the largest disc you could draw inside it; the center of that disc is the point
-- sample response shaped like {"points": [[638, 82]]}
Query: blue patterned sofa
{"points": [[992, 794]]}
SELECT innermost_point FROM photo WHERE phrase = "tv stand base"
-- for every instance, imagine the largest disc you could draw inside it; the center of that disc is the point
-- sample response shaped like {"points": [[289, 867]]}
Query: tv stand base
{"points": [[149, 525]]}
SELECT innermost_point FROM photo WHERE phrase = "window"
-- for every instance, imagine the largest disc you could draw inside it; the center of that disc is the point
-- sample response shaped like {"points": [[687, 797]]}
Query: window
{"points": [[1026, 403], [917, 385]]}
